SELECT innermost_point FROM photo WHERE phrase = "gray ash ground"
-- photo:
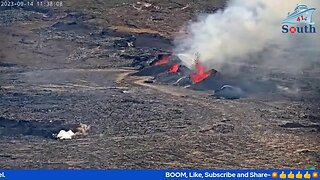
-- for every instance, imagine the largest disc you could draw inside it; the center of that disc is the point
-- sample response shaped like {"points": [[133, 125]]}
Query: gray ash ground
{"points": [[60, 68]]}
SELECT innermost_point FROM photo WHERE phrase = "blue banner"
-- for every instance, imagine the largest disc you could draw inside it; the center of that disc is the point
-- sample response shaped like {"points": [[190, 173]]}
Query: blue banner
{"points": [[156, 174]]}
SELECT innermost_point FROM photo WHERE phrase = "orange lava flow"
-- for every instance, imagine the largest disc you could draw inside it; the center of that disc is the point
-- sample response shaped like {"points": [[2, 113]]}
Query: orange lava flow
{"points": [[164, 60], [200, 74], [174, 68]]}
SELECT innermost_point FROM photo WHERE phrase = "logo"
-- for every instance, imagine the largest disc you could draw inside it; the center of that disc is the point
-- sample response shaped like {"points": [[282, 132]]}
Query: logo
{"points": [[299, 21]]}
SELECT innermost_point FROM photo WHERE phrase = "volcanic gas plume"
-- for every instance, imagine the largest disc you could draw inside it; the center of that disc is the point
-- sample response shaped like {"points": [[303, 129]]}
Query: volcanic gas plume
{"points": [[250, 30]]}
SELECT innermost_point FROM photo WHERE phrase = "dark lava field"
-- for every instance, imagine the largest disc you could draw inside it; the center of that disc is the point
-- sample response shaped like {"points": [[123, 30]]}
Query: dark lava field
{"points": [[78, 63]]}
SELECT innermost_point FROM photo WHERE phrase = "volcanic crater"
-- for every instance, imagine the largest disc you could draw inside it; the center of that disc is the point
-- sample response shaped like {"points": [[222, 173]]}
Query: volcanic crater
{"points": [[61, 67]]}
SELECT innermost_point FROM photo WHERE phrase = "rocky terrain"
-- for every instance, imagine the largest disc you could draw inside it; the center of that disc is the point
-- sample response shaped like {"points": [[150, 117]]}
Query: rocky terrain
{"points": [[61, 66]]}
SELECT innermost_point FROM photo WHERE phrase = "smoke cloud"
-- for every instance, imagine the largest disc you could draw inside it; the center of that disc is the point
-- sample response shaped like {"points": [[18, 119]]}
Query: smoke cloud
{"points": [[250, 31]]}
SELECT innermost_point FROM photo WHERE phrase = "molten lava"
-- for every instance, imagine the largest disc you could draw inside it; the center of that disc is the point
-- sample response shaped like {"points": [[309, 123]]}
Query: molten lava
{"points": [[200, 73], [174, 68], [163, 60]]}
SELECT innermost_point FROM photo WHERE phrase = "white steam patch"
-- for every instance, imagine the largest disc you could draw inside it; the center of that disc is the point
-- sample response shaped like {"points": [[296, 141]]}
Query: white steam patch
{"points": [[250, 31]]}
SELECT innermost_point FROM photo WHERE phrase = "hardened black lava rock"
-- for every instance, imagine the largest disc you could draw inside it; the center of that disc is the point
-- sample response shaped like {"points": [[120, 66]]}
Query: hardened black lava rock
{"points": [[229, 92]]}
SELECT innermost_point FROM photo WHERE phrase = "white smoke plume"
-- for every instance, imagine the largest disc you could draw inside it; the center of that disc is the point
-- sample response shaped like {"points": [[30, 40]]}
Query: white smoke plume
{"points": [[250, 30]]}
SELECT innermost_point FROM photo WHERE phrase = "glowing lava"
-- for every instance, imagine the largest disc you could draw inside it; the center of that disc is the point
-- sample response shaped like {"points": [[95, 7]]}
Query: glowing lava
{"points": [[163, 60], [200, 73], [174, 68]]}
